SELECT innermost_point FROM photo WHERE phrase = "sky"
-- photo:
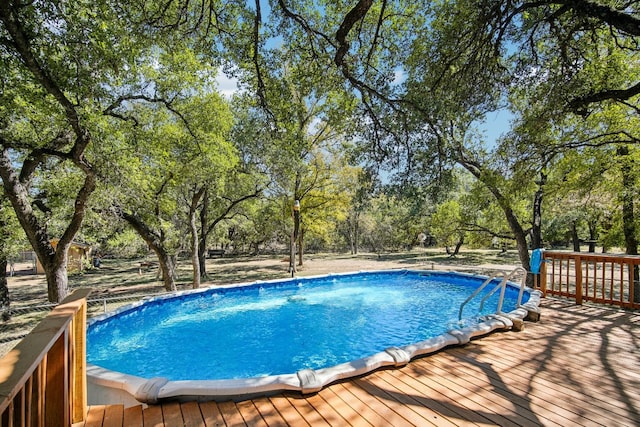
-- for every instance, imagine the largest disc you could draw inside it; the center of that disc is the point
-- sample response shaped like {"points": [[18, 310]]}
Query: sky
{"points": [[496, 124], [226, 86]]}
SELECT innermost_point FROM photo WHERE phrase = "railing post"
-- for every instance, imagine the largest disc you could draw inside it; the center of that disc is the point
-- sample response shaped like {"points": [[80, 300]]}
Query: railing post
{"points": [[78, 374], [578, 271], [543, 277]]}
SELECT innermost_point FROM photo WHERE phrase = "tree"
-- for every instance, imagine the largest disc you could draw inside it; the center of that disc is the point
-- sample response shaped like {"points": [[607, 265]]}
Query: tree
{"points": [[172, 162], [461, 60], [54, 86], [224, 200], [300, 113], [446, 226]]}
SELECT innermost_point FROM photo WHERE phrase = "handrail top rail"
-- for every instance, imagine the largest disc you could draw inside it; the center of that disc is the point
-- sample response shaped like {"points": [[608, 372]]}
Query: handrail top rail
{"points": [[590, 255], [20, 362]]}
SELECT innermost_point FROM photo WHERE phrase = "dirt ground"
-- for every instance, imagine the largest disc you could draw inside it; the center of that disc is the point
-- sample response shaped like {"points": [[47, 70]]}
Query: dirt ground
{"points": [[119, 282]]}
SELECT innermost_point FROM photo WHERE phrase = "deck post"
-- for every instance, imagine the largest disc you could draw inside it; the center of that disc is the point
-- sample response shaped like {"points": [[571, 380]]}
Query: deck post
{"points": [[78, 375]]}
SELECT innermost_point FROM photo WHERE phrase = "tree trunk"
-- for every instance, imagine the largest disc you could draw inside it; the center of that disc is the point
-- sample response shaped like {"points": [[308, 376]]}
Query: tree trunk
{"points": [[208, 226], [628, 220], [351, 244], [54, 261], [4, 239], [520, 236], [59, 276], [202, 244], [16, 40], [292, 255], [536, 229], [168, 268], [202, 258], [574, 236], [195, 256], [301, 247], [294, 236], [5, 301], [193, 226], [156, 243], [456, 249]]}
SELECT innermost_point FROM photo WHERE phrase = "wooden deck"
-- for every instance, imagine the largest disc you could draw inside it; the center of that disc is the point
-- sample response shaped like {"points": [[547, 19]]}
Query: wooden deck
{"points": [[579, 366]]}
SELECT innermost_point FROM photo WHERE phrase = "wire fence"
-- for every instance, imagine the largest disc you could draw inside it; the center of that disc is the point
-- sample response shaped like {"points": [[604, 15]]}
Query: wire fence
{"points": [[25, 318]]}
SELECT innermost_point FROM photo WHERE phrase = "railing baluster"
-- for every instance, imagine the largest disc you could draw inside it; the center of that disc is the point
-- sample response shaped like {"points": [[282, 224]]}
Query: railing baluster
{"points": [[632, 288], [602, 280], [578, 272], [611, 294], [621, 267], [56, 397]]}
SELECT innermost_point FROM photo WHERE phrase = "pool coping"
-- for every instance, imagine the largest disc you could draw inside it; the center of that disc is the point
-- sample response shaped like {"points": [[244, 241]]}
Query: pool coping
{"points": [[118, 387]]}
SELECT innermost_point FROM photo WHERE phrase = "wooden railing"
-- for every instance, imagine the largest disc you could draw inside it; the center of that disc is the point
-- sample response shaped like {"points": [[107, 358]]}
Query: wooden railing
{"points": [[43, 379], [601, 278]]}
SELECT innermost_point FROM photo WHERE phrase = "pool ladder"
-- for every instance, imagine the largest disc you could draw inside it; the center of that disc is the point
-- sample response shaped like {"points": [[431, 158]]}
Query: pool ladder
{"points": [[502, 286]]}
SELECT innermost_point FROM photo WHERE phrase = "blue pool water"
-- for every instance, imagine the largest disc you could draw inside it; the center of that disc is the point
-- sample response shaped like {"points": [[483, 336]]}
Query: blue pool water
{"points": [[282, 327]]}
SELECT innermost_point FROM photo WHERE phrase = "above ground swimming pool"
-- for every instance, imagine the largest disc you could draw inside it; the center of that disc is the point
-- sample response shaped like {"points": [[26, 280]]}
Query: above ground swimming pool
{"points": [[296, 334]]}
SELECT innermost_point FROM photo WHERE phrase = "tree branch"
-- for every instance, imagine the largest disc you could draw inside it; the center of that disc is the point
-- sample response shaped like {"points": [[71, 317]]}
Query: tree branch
{"points": [[20, 41], [303, 23], [354, 15], [477, 228], [233, 203], [619, 19], [110, 110], [580, 105]]}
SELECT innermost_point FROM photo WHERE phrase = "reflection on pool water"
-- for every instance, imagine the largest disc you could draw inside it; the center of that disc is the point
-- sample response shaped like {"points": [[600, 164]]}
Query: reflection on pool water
{"points": [[298, 327]]}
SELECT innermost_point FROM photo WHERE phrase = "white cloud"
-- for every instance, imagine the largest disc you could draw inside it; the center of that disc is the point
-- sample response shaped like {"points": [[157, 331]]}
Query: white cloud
{"points": [[399, 76], [227, 86]]}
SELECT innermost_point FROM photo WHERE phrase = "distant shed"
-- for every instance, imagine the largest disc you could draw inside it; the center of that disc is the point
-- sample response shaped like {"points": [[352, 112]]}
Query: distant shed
{"points": [[79, 256]]}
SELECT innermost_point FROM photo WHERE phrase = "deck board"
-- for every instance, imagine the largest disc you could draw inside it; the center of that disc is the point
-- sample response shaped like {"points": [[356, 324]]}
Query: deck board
{"points": [[250, 414], [95, 416], [231, 414], [268, 412], [340, 404], [288, 411], [113, 416], [306, 408], [152, 416], [211, 414], [579, 366], [133, 416], [191, 415]]}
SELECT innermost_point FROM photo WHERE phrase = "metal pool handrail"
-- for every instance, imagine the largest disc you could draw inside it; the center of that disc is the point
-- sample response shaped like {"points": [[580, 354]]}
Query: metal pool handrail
{"points": [[502, 286]]}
